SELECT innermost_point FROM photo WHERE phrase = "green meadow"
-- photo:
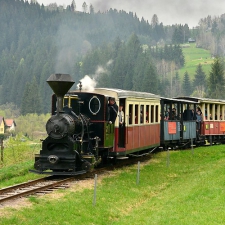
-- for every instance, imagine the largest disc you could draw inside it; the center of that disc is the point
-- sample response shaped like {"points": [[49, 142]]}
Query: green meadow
{"points": [[176, 187], [193, 57]]}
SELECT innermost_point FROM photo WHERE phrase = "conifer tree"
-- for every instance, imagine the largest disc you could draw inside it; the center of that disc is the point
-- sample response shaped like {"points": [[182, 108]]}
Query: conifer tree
{"points": [[91, 8], [155, 21], [133, 49], [139, 71], [199, 77], [178, 56], [187, 88], [216, 79], [176, 85], [31, 102], [199, 82], [84, 6], [150, 80], [73, 6], [178, 36]]}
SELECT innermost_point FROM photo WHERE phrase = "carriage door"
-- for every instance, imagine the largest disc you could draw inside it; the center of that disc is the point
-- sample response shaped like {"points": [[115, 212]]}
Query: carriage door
{"points": [[122, 124]]}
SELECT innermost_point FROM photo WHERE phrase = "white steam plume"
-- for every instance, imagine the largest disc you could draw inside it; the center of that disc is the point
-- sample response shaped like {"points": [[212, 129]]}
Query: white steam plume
{"points": [[89, 82]]}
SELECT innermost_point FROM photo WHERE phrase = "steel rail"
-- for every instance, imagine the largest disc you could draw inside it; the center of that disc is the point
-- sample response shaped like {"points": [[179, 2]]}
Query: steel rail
{"points": [[26, 189]]}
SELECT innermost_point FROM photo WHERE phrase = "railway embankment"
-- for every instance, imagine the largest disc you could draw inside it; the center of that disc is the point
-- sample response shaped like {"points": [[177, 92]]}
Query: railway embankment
{"points": [[176, 187]]}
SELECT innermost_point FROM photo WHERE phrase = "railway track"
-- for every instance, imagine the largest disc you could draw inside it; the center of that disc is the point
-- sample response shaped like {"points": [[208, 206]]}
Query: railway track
{"points": [[51, 183], [42, 185]]}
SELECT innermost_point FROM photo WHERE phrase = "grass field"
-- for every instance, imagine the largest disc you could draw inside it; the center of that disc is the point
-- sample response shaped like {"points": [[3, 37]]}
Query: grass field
{"points": [[184, 187], [18, 158], [194, 56]]}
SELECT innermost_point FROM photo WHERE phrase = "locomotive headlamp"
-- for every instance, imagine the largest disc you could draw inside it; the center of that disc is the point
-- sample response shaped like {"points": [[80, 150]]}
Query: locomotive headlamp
{"points": [[53, 159]]}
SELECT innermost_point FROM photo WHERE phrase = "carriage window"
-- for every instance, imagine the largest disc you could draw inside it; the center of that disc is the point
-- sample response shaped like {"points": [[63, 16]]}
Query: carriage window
{"points": [[157, 113], [217, 112], [147, 114], [142, 114], [152, 113], [210, 112], [136, 114], [130, 114], [206, 111]]}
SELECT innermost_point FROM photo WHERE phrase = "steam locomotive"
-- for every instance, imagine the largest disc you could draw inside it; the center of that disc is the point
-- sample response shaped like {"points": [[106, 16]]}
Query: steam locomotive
{"points": [[81, 135]]}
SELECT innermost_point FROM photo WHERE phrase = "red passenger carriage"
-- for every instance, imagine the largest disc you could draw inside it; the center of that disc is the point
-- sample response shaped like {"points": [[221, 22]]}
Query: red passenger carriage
{"points": [[141, 128]]}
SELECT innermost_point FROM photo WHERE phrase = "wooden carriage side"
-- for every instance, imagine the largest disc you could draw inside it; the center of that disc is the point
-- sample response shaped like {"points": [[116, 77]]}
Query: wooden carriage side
{"points": [[141, 121]]}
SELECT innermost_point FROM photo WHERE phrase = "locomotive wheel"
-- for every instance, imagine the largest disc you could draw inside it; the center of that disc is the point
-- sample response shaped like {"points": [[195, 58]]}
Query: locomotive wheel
{"points": [[86, 166]]}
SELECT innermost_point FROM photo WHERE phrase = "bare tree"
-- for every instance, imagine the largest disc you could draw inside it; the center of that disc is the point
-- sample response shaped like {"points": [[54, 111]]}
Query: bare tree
{"points": [[199, 91]]}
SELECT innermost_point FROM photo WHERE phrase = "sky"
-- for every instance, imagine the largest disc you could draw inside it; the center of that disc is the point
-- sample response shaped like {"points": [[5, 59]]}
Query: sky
{"points": [[168, 11]]}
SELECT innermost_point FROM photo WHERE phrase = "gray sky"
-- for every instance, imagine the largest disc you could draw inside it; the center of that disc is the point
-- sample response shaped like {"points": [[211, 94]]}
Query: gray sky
{"points": [[168, 11]]}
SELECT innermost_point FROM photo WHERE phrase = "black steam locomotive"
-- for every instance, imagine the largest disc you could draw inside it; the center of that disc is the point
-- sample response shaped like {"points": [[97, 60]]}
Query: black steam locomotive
{"points": [[72, 145]]}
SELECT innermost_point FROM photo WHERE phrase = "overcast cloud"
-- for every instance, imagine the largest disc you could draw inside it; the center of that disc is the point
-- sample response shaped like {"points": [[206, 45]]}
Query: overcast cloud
{"points": [[168, 11]]}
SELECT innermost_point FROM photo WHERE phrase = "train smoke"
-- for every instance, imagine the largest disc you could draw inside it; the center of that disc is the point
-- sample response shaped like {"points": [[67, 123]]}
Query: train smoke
{"points": [[88, 84]]}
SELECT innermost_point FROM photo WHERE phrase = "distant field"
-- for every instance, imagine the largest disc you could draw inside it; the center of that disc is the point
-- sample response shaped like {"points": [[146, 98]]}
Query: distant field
{"points": [[194, 56]]}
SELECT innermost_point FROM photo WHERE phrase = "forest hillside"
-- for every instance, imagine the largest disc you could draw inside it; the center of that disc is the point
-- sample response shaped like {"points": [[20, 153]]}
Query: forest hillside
{"points": [[115, 48]]}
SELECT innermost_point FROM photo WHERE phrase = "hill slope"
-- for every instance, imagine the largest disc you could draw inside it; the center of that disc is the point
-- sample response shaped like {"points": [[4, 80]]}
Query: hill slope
{"points": [[193, 57]]}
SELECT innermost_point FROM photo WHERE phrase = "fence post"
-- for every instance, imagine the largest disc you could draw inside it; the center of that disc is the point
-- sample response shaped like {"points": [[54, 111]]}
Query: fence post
{"points": [[2, 147], [192, 149], [168, 157], [138, 173]]}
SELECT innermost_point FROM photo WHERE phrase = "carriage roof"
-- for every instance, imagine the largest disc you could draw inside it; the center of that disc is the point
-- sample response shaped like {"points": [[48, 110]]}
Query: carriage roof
{"points": [[203, 100], [177, 100], [125, 93]]}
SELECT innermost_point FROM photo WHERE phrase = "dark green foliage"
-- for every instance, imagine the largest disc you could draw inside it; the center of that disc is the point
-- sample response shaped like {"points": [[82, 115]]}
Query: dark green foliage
{"points": [[36, 42], [169, 53], [176, 86], [178, 56], [31, 102], [150, 79], [187, 86], [216, 80], [200, 77], [178, 35], [130, 68], [133, 49]]}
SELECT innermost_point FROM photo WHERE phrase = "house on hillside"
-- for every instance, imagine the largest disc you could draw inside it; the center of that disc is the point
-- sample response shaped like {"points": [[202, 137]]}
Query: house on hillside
{"points": [[10, 125], [2, 125], [191, 40]]}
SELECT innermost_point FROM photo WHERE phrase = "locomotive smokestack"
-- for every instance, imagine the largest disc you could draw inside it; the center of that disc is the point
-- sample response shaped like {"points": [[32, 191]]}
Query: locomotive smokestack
{"points": [[60, 84]]}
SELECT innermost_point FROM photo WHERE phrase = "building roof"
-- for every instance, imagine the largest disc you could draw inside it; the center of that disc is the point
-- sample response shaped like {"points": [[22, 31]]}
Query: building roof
{"points": [[9, 122]]}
